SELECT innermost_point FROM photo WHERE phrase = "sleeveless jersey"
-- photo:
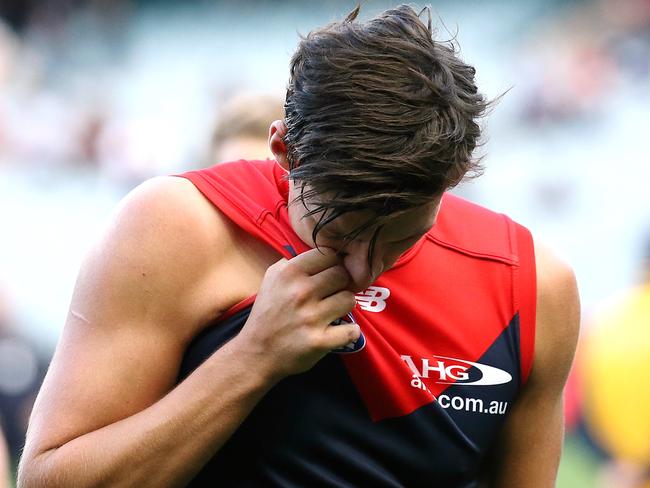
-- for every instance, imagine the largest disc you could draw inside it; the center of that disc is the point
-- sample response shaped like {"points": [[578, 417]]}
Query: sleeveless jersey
{"points": [[449, 338]]}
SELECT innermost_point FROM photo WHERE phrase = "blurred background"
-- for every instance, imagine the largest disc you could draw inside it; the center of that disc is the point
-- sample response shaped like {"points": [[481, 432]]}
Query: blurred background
{"points": [[98, 95]]}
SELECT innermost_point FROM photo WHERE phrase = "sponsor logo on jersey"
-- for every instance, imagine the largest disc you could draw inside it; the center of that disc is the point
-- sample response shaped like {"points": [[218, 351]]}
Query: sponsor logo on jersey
{"points": [[373, 299], [446, 371], [472, 405]]}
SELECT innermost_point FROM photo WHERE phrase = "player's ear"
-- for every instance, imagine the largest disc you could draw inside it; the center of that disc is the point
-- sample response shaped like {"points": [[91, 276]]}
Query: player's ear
{"points": [[277, 131]]}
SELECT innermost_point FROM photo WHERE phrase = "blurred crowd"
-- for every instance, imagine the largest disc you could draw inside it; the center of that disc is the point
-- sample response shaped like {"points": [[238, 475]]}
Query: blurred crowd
{"points": [[98, 95]]}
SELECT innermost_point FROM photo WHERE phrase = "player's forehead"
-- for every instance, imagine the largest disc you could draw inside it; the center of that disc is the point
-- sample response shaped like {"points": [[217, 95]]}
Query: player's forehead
{"points": [[311, 206], [413, 221]]}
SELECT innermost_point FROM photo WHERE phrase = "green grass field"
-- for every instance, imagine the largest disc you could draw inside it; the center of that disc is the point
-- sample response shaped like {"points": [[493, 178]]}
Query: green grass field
{"points": [[578, 467]]}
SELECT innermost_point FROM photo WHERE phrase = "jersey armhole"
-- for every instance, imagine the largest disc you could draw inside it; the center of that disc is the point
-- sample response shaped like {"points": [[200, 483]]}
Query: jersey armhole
{"points": [[526, 298]]}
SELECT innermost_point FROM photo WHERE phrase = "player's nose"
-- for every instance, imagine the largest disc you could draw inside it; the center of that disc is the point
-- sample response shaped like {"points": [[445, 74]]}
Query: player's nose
{"points": [[355, 260]]}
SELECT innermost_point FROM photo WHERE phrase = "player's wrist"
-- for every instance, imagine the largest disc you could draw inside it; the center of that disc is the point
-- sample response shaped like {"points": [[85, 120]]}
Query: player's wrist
{"points": [[261, 366]]}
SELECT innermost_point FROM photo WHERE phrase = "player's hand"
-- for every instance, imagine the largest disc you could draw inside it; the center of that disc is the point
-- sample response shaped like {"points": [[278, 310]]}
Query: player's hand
{"points": [[289, 329]]}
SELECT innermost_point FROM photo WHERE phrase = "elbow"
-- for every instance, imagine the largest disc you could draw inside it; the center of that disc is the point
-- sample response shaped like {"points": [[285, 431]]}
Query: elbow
{"points": [[26, 476], [60, 468], [38, 471]]}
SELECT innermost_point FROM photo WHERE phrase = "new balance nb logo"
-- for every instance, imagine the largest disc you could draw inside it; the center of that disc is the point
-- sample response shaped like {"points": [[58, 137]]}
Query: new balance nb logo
{"points": [[373, 299]]}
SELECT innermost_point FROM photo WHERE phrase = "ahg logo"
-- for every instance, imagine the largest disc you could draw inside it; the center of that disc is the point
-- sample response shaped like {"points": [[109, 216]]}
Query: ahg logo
{"points": [[446, 371], [373, 299]]}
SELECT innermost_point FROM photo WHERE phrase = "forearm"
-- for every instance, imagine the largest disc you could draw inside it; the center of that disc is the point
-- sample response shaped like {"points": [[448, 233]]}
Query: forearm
{"points": [[165, 444]]}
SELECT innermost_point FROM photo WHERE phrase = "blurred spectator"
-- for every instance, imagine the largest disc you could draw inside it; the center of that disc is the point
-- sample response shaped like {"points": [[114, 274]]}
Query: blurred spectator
{"points": [[577, 62], [616, 372], [21, 373], [8, 49], [242, 129], [569, 70], [17, 13]]}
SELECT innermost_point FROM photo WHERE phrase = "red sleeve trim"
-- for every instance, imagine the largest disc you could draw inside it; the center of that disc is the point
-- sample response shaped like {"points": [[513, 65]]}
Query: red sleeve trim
{"points": [[526, 299]]}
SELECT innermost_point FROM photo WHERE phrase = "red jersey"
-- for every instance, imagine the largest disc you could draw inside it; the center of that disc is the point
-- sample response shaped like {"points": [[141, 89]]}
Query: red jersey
{"points": [[449, 338]]}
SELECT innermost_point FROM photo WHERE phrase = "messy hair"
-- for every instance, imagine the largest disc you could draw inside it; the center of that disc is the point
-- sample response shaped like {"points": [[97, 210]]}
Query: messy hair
{"points": [[379, 116]]}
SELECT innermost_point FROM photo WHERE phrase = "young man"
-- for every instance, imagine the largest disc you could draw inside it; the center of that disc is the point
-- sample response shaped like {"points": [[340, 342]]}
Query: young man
{"points": [[199, 347]]}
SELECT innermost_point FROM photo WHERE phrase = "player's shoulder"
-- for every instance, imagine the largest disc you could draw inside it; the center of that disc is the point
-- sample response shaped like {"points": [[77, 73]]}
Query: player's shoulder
{"points": [[169, 211], [168, 230], [167, 193], [557, 288], [163, 248], [475, 230], [553, 271], [558, 314]]}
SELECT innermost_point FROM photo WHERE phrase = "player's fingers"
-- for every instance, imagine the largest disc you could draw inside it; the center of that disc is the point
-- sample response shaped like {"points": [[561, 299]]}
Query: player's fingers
{"points": [[336, 306], [316, 260], [330, 281], [338, 336]]}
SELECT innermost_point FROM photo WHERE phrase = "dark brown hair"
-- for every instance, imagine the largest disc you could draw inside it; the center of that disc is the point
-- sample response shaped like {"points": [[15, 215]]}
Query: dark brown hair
{"points": [[379, 116]]}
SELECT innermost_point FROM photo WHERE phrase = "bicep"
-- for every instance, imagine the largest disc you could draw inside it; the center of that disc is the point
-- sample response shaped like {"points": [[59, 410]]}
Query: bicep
{"points": [[99, 376], [129, 320], [529, 448]]}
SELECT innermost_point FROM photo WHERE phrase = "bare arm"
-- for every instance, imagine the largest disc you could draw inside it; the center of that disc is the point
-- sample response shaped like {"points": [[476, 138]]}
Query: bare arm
{"points": [[531, 442], [109, 413]]}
